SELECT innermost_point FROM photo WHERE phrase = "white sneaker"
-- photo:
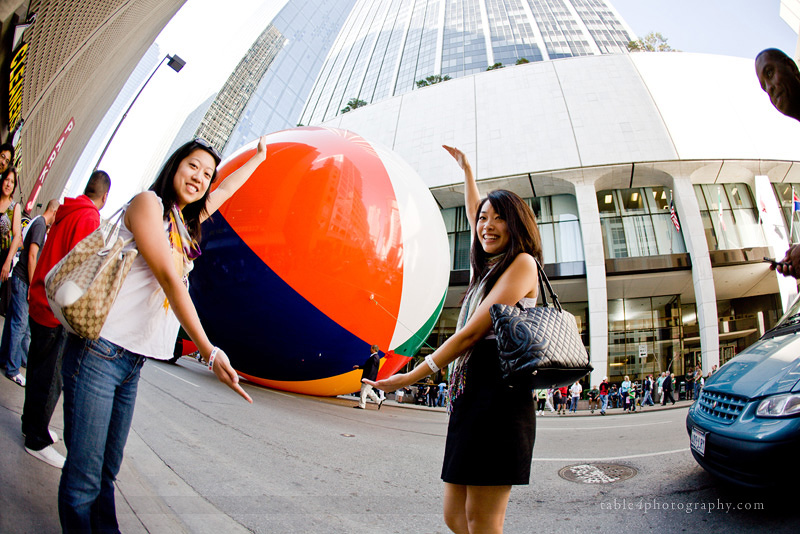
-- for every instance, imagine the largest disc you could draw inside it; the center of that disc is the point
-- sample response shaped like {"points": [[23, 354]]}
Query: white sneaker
{"points": [[18, 378], [48, 455]]}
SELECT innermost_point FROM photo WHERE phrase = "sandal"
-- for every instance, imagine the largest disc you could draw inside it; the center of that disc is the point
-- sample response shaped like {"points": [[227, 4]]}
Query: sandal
{"points": [[18, 378]]}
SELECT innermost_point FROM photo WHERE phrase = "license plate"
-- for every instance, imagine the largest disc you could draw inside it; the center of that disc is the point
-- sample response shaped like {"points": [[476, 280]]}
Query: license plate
{"points": [[698, 441]]}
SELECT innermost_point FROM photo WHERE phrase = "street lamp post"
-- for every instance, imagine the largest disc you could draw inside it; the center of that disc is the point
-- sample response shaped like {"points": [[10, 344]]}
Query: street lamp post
{"points": [[176, 64]]}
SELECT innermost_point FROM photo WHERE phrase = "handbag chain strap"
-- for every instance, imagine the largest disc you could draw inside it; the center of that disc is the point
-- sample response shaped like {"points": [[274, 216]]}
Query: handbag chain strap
{"points": [[544, 282]]}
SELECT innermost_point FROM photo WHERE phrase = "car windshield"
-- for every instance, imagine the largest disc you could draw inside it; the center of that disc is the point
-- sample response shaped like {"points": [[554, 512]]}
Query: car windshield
{"points": [[792, 315]]}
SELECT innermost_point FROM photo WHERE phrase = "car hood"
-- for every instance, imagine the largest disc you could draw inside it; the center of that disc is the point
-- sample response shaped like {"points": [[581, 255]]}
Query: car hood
{"points": [[767, 367]]}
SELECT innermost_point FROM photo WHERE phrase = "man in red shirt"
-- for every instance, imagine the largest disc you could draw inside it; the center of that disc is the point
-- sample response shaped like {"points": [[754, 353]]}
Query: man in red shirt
{"points": [[604, 390], [74, 220]]}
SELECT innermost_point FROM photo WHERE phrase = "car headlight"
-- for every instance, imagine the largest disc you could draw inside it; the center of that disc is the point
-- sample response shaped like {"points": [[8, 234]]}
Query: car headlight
{"points": [[784, 405]]}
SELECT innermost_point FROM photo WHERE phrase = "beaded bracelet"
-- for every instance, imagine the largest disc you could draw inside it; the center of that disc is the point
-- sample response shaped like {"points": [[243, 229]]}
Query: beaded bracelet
{"points": [[431, 363], [211, 358]]}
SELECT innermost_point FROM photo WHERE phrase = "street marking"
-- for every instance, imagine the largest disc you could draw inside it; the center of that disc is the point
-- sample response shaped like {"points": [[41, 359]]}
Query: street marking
{"points": [[176, 376], [610, 458]]}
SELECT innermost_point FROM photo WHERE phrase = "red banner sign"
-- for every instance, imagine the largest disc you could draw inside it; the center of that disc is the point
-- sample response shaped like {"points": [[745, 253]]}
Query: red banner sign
{"points": [[48, 165]]}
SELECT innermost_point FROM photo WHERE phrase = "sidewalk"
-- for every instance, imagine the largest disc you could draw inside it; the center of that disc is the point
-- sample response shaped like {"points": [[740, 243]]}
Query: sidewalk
{"points": [[580, 413], [150, 497]]}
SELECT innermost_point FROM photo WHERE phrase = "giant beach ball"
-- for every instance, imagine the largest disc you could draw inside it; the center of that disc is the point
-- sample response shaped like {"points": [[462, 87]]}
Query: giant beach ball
{"points": [[333, 244]]}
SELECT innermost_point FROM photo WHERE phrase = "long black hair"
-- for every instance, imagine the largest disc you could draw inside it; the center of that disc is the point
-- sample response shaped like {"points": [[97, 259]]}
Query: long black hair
{"points": [[164, 185], [523, 234]]}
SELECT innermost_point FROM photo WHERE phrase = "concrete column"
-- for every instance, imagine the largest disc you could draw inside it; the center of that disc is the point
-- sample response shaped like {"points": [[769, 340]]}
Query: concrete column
{"points": [[594, 258], [705, 294]]}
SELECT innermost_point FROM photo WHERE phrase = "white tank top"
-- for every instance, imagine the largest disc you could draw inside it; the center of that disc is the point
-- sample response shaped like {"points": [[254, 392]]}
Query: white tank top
{"points": [[138, 320]]}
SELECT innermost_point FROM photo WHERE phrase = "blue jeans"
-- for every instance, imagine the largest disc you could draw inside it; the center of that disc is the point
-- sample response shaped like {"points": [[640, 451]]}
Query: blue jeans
{"points": [[573, 404], [697, 390], [100, 383], [603, 403], [16, 333]]}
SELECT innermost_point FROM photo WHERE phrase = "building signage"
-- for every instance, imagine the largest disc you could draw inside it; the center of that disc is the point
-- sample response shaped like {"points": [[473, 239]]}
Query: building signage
{"points": [[48, 165], [15, 79]]}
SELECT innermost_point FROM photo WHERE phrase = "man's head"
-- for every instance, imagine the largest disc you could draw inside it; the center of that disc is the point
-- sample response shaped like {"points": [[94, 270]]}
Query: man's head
{"points": [[780, 79], [50, 212], [97, 188], [6, 156], [374, 349]]}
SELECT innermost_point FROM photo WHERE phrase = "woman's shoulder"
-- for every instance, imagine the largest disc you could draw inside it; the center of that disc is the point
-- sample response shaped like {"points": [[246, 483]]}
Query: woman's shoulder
{"points": [[146, 200]]}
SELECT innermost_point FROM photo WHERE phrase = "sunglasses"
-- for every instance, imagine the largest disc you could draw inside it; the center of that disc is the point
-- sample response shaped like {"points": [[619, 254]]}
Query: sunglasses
{"points": [[208, 146]]}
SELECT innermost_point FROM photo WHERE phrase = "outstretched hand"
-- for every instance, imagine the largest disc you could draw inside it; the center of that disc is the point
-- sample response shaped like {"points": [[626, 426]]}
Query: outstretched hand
{"points": [[227, 374], [390, 384], [459, 156]]}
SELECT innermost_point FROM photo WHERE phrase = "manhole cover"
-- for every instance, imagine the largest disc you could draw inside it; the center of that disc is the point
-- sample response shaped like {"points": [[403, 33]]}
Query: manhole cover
{"points": [[597, 473]]}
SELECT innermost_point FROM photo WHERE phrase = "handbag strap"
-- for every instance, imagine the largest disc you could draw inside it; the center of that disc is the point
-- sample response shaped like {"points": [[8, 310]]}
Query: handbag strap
{"points": [[111, 229], [544, 282]]}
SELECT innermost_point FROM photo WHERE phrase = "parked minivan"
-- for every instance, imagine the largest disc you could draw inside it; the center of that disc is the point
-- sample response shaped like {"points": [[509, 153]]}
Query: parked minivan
{"points": [[745, 426]]}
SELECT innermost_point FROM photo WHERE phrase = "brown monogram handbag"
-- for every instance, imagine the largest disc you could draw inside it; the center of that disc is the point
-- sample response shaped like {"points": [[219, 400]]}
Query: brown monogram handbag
{"points": [[82, 287]]}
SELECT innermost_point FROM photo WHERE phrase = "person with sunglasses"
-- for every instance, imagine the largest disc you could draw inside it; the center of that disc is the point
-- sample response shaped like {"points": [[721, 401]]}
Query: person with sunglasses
{"points": [[101, 376]]}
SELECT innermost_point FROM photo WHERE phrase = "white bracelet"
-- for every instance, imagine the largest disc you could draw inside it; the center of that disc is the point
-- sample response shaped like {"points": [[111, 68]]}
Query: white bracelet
{"points": [[431, 363], [211, 358]]}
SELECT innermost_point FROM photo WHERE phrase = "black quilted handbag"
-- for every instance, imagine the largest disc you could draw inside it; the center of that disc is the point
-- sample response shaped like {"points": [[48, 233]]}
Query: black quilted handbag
{"points": [[543, 342]]}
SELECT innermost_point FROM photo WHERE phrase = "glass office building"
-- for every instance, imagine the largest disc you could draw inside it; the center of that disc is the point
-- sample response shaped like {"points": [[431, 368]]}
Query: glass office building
{"points": [[385, 48]]}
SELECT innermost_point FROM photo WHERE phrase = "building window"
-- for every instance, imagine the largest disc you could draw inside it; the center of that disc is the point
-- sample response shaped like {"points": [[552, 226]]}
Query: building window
{"points": [[644, 337], [556, 217], [636, 222], [785, 194], [730, 217]]}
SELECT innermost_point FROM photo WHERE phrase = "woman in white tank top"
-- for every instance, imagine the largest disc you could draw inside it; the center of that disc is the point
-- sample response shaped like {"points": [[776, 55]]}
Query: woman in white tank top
{"points": [[101, 377]]}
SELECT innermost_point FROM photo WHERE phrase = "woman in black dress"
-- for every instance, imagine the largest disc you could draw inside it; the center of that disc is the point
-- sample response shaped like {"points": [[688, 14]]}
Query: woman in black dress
{"points": [[492, 423]]}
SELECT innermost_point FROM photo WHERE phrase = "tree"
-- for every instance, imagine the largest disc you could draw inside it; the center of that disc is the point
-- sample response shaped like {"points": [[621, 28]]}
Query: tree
{"points": [[352, 104], [522, 60], [652, 42], [495, 66], [431, 80]]}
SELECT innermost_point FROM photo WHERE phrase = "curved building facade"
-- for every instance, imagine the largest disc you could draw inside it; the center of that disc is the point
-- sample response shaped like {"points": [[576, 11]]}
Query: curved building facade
{"points": [[605, 149]]}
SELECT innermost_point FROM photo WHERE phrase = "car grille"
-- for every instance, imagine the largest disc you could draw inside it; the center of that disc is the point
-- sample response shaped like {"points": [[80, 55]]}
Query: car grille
{"points": [[724, 408]]}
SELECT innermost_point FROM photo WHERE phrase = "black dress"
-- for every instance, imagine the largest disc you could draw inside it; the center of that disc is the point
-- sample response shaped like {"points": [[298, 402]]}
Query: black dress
{"points": [[492, 426]]}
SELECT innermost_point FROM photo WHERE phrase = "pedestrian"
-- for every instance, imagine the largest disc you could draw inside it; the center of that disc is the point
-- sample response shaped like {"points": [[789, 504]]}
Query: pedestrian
{"points": [[575, 395], [563, 399], [604, 390], [549, 401], [593, 398], [647, 388], [541, 400], [10, 222], [75, 219], [614, 396], [698, 381], [491, 431], [433, 395], [370, 372], [660, 386], [623, 393], [631, 401], [667, 387], [16, 334], [101, 376]]}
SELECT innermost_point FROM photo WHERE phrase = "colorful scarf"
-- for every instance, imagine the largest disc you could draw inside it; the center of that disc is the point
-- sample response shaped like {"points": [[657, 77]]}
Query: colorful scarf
{"points": [[472, 300], [184, 248]]}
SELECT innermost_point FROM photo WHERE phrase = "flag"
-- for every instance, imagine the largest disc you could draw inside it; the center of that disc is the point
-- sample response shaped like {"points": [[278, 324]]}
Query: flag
{"points": [[795, 202], [674, 216]]}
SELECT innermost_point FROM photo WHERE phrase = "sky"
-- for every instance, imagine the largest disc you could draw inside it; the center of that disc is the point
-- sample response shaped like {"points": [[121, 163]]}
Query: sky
{"points": [[213, 40]]}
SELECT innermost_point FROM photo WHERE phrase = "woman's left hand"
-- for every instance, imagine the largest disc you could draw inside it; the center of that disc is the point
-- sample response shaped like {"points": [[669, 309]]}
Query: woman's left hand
{"points": [[4, 273], [227, 375]]}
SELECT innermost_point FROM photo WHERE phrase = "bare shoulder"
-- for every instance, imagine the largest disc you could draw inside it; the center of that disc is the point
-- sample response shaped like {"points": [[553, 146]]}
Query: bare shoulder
{"points": [[524, 262], [146, 208]]}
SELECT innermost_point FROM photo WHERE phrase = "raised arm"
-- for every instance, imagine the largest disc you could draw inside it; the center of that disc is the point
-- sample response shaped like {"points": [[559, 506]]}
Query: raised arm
{"points": [[519, 280], [232, 183], [472, 197], [145, 219]]}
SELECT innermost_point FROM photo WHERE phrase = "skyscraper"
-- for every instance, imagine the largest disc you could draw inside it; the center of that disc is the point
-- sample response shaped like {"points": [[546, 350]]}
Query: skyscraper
{"points": [[384, 48], [227, 107]]}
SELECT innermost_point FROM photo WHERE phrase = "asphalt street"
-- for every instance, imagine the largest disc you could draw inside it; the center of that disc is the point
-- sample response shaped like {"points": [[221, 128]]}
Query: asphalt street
{"points": [[200, 459]]}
